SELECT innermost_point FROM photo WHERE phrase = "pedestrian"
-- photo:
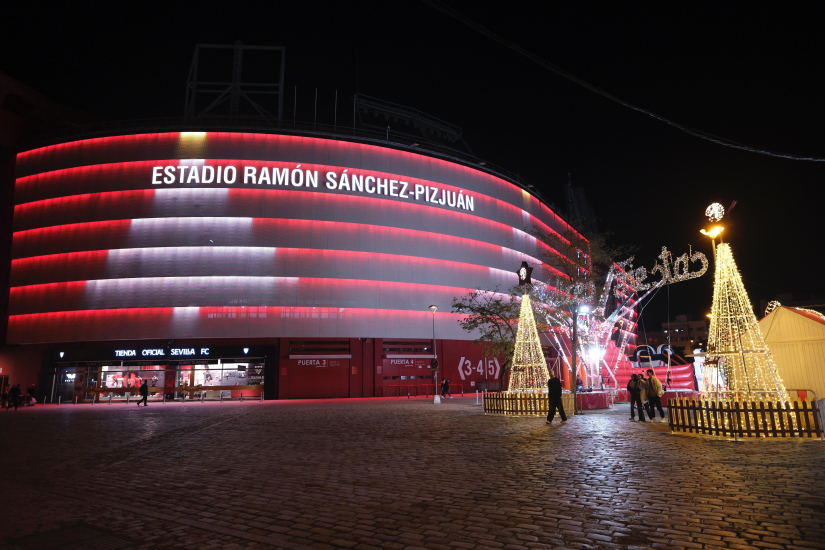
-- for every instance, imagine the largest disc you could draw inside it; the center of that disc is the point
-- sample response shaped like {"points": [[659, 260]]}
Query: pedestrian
{"points": [[144, 394], [654, 395], [643, 393], [30, 392], [579, 383], [634, 391], [445, 389], [14, 396], [554, 398]]}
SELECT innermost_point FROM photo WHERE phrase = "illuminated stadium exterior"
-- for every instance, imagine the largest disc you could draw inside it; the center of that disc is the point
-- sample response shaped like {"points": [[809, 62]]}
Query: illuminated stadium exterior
{"points": [[312, 259]]}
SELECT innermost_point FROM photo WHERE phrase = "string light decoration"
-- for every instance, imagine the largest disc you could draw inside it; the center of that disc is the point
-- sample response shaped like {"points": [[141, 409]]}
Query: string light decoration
{"points": [[715, 212], [596, 327], [811, 311], [772, 305], [735, 343], [529, 370]]}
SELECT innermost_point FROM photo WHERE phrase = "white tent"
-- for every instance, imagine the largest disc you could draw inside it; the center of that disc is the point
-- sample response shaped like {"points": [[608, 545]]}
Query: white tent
{"points": [[796, 338]]}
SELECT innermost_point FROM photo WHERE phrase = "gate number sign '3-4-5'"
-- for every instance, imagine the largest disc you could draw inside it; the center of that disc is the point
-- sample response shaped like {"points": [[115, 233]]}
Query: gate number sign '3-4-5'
{"points": [[487, 367]]}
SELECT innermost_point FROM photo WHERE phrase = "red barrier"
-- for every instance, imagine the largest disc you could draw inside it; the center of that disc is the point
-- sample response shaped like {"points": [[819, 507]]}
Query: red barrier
{"points": [[596, 400]]}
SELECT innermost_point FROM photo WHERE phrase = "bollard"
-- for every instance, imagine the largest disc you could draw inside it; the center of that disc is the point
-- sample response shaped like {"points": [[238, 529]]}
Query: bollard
{"points": [[110, 398], [75, 400], [221, 396], [476, 397], [262, 397], [127, 398], [203, 396], [58, 399], [241, 397], [164, 398]]}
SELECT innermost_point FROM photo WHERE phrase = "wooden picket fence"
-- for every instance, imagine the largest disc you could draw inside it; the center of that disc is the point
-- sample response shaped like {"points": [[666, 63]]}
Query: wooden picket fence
{"points": [[742, 419], [523, 404]]}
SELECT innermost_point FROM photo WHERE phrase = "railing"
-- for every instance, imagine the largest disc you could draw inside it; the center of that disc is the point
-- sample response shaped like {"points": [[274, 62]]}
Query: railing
{"points": [[742, 419], [414, 388], [523, 404]]}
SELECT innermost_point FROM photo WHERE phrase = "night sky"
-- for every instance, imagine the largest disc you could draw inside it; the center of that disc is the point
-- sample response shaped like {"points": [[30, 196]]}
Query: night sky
{"points": [[750, 72]]}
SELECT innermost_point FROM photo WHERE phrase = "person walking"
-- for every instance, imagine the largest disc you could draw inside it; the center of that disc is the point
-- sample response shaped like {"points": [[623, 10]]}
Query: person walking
{"points": [[14, 396], [634, 392], [445, 389], [554, 398], [144, 394], [655, 391]]}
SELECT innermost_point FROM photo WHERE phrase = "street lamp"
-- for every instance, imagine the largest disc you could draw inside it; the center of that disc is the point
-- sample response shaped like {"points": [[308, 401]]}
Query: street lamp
{"points": [[434, 364], [578, 310]]}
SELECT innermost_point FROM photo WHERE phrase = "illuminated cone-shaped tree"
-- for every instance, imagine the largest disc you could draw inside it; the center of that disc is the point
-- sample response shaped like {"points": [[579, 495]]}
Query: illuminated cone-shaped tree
{"points": [[529, 370], [735, 340]]}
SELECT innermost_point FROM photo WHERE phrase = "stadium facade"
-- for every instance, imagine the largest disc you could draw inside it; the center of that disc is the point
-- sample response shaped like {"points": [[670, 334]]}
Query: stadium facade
{"points": [[305, 264]]}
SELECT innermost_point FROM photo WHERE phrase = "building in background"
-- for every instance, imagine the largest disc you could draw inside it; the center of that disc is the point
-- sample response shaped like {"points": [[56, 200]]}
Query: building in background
{"points": [[685, 334], [796, 338]]}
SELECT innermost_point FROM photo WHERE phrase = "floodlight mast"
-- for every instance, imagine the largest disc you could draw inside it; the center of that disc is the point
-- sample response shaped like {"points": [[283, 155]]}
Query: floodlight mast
{"points": [[235, 89]]}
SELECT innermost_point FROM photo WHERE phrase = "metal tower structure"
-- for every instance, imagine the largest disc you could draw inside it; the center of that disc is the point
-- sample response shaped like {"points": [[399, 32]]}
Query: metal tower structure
{"points": [[232, 91]]}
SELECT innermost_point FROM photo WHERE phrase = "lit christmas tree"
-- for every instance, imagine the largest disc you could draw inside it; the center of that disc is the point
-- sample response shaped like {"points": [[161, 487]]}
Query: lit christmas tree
{"points": [[735, 342], [529, 370]]}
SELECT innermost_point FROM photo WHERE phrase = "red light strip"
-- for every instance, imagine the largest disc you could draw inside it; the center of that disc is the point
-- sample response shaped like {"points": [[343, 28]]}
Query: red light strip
{"points": [[217, 322], [78, 294], [95, 261], [119, 230]]}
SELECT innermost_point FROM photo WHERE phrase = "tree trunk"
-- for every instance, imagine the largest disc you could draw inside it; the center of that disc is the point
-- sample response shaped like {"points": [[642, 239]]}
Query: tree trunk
{"points": [[505, 370]]}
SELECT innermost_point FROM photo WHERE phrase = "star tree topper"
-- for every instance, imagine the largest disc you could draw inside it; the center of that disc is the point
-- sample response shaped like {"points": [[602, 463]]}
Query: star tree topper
{"points": [[524, 273]]}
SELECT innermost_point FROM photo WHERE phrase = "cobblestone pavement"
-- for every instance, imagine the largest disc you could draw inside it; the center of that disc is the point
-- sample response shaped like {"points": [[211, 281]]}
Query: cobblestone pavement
{"points": [[387, 474]]}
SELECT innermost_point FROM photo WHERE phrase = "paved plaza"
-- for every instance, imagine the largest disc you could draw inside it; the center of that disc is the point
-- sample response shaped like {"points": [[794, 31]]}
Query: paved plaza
{"points": [[387, 474]]}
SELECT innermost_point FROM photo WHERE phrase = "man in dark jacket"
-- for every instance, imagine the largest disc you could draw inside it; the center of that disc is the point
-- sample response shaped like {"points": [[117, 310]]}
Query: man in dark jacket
{"points": [[14, 396], [144, 394], [554, 396]]}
